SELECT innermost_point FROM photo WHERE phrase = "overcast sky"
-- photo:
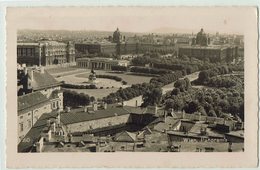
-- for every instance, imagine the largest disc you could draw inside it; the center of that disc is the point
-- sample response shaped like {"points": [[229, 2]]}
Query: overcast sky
{"points": [[138, 19]]}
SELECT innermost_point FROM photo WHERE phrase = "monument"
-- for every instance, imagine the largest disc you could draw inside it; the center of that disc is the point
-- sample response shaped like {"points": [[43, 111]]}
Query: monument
{"points": [[92, 77]]}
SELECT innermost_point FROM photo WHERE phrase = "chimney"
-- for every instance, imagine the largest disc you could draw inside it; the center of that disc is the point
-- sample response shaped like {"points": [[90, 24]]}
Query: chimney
{"points": [[105, 105], [136, 103], [67, 109], [199, 116], [48, 122], [38, 147], [58, 119], [31, 74], [42, 70], [85, 109], [165, 115], [54, 127], [183, 114], [25, 70], [95, 106]]}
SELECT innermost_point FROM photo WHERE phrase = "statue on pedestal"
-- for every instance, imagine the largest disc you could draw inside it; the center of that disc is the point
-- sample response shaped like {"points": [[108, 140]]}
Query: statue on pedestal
{"points": [[92, 77]]}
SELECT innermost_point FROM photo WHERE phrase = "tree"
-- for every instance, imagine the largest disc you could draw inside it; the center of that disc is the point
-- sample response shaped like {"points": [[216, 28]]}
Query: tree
{"points": [[212, 113], [192, 107], [175, 91], [92, 99], [203, 77], [188, 84], [180, 84], [152, 97]]}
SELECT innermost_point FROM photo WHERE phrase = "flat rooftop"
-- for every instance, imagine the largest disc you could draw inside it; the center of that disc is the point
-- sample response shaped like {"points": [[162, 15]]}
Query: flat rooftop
{"points": [[210, 47], [78, 115]]}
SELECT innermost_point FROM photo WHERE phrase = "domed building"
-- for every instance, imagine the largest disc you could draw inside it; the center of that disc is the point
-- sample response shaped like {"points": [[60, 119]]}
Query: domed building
{"points": [[201, 39], [116, 36], [203, 50]]}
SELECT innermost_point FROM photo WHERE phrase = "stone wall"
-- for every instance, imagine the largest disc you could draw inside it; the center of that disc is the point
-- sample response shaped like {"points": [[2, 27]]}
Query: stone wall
{"points": [[98, 123]]}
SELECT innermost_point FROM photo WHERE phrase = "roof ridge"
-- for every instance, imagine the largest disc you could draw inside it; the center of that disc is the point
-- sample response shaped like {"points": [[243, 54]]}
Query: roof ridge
{"points": [[30, 94]]}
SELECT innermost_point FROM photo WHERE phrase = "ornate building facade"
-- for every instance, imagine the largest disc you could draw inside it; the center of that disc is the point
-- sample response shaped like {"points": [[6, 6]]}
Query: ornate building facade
{"points": [[45, 53], [201, 49]]}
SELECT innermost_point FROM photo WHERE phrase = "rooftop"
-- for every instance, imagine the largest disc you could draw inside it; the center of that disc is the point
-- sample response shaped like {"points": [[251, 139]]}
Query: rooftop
{"points": [[43, 80], [210, 47], [98, 59], [78, 115], [27, 44], [30, 100], [49, 42], [239, 133], [35, 132]]}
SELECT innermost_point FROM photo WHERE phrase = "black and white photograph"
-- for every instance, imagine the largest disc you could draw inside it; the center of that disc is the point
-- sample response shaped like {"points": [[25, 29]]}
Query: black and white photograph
{"points": [[160, 90], [133, 79]]}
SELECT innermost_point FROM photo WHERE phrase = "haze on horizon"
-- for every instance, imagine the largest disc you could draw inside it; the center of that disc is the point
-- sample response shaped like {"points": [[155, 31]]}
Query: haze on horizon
{"points": [[231, 20]]}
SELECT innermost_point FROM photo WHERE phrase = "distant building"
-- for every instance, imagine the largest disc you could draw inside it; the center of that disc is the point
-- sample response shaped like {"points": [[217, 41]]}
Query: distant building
{"points": [[201, 49], [181, 40], [144, 47], [45, 53], [201, 39], [212, 53], [38, 79], [117, 36], [100, 63], [96, 48]]}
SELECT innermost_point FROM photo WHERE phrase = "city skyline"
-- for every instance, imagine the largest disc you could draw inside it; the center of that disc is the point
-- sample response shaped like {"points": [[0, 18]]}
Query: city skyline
{"points": [[141, 20]]}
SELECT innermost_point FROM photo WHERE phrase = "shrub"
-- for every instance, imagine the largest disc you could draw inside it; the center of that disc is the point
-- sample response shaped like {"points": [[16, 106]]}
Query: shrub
{"points": [[110, 77], [124, 82]]}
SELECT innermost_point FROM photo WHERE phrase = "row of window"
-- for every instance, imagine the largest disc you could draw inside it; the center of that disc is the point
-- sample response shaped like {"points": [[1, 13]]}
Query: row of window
{"points": [[25, 51], [21, 125]]}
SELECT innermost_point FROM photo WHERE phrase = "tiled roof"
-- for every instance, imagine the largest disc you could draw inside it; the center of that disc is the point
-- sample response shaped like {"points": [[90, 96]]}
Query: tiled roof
{"points": [[239, 133], [81, 116], [136, 110], [126, 136], [43, 80], [35, 132], [196, 128], [31, 100]]}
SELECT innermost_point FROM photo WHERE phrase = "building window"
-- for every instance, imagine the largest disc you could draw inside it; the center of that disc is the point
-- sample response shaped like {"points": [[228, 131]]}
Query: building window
{"points": [[36, 111], [29, 114], [21, 127], [54, 105], [29, 123], [21, 117]]}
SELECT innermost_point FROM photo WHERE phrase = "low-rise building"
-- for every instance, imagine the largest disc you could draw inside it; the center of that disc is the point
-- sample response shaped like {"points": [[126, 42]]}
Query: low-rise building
{"points": [[40, 93], [45, 53], [100, 63], [213, 53], [30, 107]]}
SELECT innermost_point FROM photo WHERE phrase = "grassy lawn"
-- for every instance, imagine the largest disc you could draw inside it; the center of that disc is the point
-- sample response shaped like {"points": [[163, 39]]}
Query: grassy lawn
{"points": [[61, 69], [130, 79]]}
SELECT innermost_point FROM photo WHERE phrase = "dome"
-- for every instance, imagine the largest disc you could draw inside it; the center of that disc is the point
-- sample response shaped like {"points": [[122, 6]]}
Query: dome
{"points": [[201, 38], [116, 36]]}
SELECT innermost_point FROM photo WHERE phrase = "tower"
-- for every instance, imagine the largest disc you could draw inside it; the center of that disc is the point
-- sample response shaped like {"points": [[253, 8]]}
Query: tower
{"points": [[116, 36]]}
